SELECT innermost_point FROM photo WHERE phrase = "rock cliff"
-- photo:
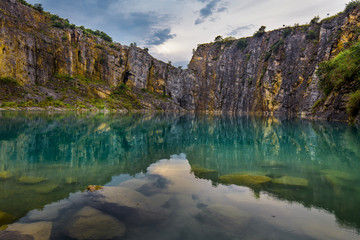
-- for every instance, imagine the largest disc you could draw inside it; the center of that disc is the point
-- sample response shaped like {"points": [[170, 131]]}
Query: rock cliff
{"points": [[274, 72], [42, 64]]}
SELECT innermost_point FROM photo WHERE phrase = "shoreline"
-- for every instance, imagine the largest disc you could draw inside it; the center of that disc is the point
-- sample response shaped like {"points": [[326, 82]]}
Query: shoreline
{"points": [[209, 113]]}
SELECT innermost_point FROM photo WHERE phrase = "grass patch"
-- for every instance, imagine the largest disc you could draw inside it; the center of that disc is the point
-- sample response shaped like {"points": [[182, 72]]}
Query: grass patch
{"points": [[317, 103], [65, 77], [287, 32], [8, 81], [345, 67], [353, 104], [267, 56], [275, 47], [9, 104], [241, 44]]}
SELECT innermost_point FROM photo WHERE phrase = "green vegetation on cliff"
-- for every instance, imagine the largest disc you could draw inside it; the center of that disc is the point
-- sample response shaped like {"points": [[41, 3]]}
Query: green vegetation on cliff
{"points": [[343, 70], [59, 22]]}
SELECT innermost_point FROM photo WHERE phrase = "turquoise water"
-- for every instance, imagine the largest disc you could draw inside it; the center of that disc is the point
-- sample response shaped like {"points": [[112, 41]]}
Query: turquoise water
{"points": [[172, 176]]}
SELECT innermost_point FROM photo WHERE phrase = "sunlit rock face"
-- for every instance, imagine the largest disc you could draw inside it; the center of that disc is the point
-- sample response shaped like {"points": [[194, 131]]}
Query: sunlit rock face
{"points": [[275, 72], [271, 73]]}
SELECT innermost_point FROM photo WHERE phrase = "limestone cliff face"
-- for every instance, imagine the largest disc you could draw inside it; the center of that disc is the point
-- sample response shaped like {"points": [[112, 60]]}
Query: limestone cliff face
{"points": [[272, 73], [35, 54]]}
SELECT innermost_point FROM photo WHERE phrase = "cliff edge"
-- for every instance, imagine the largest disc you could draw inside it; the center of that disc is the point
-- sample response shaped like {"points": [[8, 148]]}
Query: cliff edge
{"points": [[47, 62]]}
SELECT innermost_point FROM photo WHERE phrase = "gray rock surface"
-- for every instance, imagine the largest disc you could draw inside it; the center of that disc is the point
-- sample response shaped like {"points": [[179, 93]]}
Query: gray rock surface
{"points": [[90, 223], [273, 73]]}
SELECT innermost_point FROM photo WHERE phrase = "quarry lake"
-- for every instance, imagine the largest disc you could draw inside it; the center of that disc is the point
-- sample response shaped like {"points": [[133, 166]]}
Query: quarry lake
{"points": [[177, 176]]}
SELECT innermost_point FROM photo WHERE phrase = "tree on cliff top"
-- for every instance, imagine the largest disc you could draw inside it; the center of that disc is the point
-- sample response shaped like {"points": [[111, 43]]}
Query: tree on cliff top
{"points": [[351, 5], [260, 32]]}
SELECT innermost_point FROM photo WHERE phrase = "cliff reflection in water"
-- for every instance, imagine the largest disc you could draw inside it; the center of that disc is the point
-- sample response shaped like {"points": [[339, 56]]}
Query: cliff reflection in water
{"points": [[44, 157]]}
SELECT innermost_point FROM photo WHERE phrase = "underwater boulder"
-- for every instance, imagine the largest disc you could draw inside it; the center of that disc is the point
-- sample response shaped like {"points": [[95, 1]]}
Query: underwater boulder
{"points": [[223, 217], [252, 181], [335, 174], [37, 230], [4, 175], [133, 183], [90, 223], [7, 235], [205, 173], [46, 188], [291, 181], [31, 180], [71, 180], [6, 218], [124, 197]]}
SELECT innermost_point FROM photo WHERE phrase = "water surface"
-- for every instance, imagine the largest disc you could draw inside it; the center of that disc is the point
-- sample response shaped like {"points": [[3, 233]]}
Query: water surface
{"points": [[172, 176]]}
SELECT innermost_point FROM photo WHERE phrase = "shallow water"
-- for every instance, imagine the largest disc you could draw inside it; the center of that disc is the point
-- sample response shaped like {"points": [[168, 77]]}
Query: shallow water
{"points": [[171, 176]]}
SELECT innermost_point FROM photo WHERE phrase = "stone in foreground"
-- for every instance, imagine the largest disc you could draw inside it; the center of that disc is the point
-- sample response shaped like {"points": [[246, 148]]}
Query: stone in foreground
{"points": [[90, 223]]}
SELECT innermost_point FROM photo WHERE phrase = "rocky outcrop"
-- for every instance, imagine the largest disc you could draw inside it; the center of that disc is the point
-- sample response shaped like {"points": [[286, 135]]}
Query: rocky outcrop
{"points": [[273, 72], [44, 60]]}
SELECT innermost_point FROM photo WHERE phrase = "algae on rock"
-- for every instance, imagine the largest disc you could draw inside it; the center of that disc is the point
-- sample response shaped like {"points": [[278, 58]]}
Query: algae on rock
{"points": [[291, 181], [252, 181]]}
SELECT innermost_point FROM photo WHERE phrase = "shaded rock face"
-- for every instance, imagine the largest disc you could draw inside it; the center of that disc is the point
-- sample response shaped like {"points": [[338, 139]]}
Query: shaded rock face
{"points": [[273, 73]]}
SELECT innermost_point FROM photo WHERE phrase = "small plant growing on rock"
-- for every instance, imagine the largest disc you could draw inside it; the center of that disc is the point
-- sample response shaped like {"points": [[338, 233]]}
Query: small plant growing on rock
{"points": [[218, 38], [260, 32], [242, 44], [8, 80], [316, 19], [38, 7]]}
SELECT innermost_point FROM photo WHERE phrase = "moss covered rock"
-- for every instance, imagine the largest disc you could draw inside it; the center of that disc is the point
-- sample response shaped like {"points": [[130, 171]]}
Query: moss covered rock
{"points": [[253, 181], [204, 173], [330, 173], [31, 180], [46, 188], [291, 181], [5, 175], [6, 218]]}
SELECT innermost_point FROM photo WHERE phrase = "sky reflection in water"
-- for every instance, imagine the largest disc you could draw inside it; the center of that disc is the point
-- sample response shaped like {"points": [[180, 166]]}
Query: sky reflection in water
{"points": [[311, 187]]}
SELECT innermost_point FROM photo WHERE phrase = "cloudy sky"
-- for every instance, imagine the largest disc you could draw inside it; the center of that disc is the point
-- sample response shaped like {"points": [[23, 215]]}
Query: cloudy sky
{"points": [[172, 28]]}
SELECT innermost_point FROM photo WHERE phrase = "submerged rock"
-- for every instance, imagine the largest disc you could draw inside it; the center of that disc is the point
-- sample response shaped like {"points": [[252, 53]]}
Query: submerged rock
{"points": [[46, 188], [253, 181], [71, 180], [50, 212], [38, 230], [124, 197], [274, 165], [6, 235], [332, 174], [133, 183], [224, 217], [6, 218], [292, 181], [205, 173], [31, 180], [143, 209], [90, 223], [5, 175], [3, 227]]}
